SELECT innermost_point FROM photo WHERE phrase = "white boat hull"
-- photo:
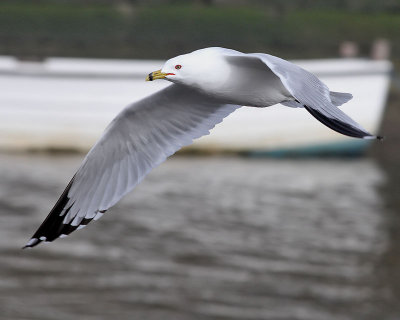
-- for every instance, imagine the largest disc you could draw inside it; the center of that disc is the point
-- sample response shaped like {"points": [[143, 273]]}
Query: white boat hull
{"points": [[67, 103]]}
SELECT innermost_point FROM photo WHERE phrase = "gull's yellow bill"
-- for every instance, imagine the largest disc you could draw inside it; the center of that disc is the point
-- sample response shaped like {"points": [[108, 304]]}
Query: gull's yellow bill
{"points": [[157, 75]]}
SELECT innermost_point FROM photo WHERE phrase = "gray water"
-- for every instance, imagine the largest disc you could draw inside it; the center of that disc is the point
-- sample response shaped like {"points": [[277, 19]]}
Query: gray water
{"points": [[206, 238]]}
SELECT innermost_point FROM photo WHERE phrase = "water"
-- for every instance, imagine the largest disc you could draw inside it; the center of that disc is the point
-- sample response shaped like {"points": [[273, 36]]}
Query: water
{"points": [[206, 238]]}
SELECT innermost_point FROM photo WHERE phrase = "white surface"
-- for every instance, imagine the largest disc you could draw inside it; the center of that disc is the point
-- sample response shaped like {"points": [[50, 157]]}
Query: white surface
{"points": [[66, 103]]}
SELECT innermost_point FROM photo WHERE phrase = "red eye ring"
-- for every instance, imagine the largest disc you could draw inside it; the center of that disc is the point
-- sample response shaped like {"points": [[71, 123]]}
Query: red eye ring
{"points": [[178, 66]]}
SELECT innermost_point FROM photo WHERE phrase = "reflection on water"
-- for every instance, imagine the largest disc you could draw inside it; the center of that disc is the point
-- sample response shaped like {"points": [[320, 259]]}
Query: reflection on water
{"points": [[203, 238]]}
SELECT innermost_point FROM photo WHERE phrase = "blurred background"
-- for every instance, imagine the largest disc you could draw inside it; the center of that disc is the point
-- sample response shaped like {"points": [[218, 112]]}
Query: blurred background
{"points": [[291, 222]]}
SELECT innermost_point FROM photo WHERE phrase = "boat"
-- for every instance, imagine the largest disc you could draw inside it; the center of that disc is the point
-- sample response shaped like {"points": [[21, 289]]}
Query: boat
{"points": [[65, 104]]}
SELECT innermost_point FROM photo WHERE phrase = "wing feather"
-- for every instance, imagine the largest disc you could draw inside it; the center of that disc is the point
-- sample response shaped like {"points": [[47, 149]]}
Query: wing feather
{"points": [[315, 96], [142, 136]]}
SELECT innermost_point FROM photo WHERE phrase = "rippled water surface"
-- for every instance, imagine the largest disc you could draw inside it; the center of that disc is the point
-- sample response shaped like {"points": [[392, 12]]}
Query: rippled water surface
{"points": [[205, 238]]}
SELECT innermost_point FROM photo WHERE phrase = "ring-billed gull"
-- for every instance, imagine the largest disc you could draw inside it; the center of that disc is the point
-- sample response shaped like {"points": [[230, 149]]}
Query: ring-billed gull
{"points": [[208, 85]]}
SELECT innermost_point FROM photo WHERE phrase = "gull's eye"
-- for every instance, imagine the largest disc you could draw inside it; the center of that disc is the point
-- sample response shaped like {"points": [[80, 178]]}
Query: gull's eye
{"points": [[178, 66]]}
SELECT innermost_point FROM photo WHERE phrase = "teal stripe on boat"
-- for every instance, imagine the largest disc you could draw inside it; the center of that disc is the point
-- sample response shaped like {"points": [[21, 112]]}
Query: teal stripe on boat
{"points": [[352, 148]]}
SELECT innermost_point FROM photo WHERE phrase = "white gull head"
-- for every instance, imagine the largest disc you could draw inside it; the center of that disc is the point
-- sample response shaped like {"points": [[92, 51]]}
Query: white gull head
{"points": [[206, 69]]}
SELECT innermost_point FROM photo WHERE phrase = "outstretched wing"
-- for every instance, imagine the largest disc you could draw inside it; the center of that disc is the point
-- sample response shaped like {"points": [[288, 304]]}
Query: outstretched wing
{"points": [[142, 136], [315, 96], [311, 93]]}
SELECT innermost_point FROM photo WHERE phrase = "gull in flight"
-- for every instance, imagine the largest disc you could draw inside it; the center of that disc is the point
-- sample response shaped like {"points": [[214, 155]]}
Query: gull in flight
{"points": [[207, 85]]}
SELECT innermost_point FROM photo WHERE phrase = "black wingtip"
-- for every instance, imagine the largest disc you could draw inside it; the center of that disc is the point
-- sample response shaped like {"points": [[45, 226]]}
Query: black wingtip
{"points": [[380, 138], [53, 227], [49, 229], [340, 126]]}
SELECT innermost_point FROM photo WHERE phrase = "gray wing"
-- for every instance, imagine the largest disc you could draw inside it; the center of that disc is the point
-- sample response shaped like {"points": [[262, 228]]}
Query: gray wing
{"points": [[142, 136], [310, 93], [315, 96]]}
